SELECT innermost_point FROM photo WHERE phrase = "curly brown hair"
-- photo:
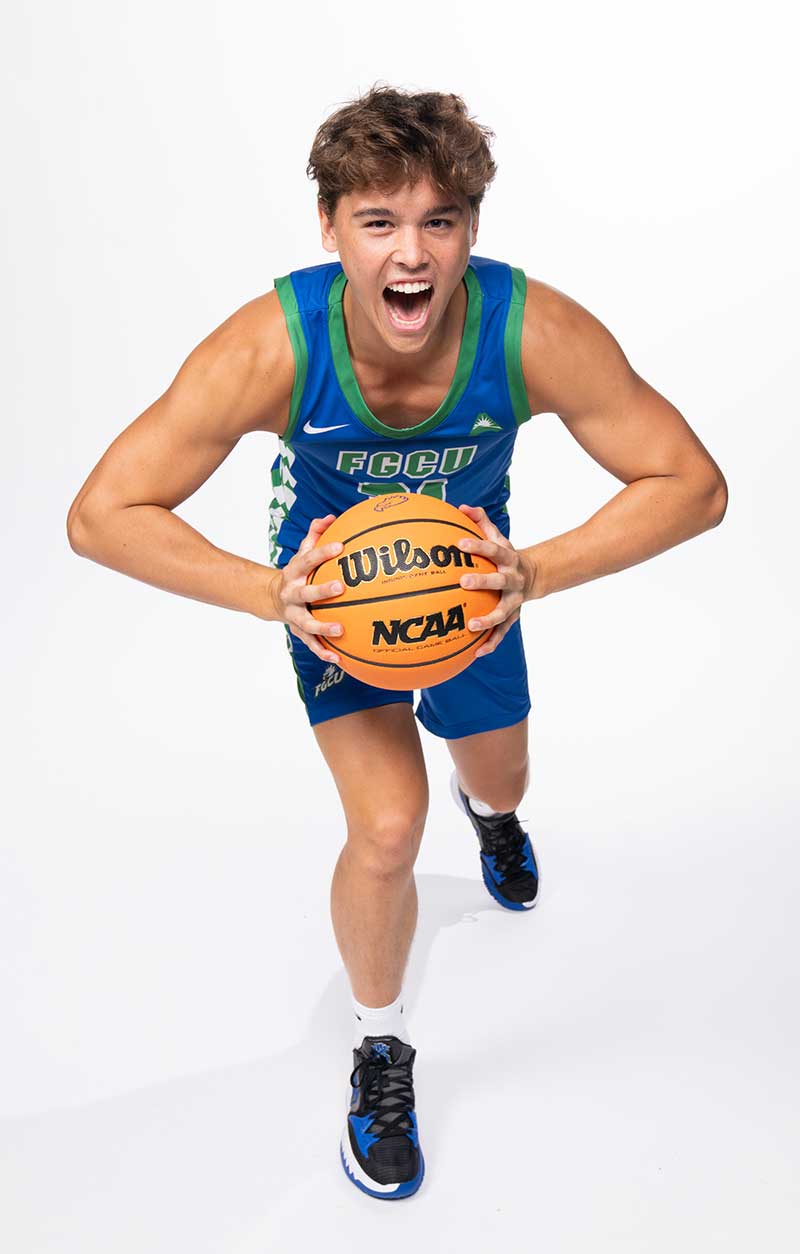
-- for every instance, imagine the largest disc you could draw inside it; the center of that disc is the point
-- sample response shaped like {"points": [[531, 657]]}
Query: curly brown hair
{"points": [[387, 138]]}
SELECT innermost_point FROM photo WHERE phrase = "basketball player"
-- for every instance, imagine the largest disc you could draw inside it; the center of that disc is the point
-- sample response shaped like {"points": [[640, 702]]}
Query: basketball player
{"points": [[408, 365]]}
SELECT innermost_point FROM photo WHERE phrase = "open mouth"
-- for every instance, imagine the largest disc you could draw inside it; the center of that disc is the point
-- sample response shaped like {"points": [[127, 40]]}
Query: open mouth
{"points": [[408, 310]]}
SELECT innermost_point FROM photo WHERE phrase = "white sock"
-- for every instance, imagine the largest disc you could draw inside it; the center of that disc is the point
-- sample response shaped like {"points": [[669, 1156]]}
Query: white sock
{"points": [[380, 1021], [481, 808]]}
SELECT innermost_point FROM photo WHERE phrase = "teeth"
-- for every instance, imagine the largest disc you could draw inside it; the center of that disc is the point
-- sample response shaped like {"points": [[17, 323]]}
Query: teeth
{"points": [[409, 288]]}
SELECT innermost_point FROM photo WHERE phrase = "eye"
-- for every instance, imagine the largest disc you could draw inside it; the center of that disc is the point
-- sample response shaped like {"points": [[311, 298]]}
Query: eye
{"points": [[378, 222], [446, 221]]}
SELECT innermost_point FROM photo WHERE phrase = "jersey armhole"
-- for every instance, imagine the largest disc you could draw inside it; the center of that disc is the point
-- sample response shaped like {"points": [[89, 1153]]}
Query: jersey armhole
{"points": [[294, 325], [512, 344]]}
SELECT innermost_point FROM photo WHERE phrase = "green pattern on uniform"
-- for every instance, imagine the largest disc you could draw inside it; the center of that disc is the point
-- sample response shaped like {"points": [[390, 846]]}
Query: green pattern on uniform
{"points": [[512, 344], [283, 497], [294, 325], [294, 666]]}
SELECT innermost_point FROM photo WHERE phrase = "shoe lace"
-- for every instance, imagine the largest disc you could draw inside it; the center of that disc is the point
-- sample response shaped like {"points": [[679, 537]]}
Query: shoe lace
{"points": [[505, 841], [388, 1090]]}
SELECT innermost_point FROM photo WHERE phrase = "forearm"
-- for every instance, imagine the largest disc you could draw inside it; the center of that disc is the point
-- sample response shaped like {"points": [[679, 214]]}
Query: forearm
{"points": [[150, 543], [647, 517]]}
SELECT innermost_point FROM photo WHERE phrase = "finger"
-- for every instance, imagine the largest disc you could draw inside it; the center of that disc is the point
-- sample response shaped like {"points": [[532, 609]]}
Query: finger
{"points": [[491, 642], [314, 626], [318, 649], [316, 556], [315, 530], [486, 548], [496, 579], [478, 514], [493, 618], [320, 592], [489, 645]]}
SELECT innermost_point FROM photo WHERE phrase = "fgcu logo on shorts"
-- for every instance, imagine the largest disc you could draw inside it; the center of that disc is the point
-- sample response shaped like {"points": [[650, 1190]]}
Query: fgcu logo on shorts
{"points": [[330, 676], [421, 627], [401, 556]]}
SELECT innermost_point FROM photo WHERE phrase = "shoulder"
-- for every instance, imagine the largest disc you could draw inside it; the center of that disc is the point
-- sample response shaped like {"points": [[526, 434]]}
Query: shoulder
{"points": [[249, 357], [565, 351]]}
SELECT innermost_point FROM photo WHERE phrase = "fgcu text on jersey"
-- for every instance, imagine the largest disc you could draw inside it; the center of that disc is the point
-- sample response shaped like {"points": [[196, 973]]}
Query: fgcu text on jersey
{"points": [[335, 452]]}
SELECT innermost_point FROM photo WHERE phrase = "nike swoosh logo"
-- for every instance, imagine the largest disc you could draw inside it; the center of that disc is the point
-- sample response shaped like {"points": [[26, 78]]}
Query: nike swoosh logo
{"points": [[307, 427]]}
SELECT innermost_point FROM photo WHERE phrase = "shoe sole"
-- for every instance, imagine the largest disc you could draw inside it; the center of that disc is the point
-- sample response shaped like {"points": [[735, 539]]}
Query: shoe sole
{"points": [[385, 1192], [487, 879]]}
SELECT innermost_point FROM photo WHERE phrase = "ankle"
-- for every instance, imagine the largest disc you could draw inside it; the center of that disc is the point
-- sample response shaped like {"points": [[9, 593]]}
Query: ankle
{"points": [[387, 1020]]}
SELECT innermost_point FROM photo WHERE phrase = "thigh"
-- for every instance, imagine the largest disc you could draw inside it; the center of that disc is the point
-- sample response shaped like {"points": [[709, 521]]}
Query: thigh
{"points": [[491, 694], [376, 760]]}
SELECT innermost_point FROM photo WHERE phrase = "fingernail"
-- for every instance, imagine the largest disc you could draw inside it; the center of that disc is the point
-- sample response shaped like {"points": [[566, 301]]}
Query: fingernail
{"points": [[474, 624], [336, 588], [463, 543], [334, 630], [331, 657], [467, 581]]}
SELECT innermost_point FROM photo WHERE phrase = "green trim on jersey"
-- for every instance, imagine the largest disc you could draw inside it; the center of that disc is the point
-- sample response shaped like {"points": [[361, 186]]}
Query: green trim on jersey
{"points": [[349, 383], [294, 325], [512, 343], [296, 671]]}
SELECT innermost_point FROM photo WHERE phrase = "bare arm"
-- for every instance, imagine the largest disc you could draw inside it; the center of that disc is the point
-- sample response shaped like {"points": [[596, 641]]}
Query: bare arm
{"points": [[238, 379], [574, 367]]}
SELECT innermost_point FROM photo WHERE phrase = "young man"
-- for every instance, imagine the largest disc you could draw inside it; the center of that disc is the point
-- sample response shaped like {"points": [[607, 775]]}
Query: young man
{"points": [[408, 365]]}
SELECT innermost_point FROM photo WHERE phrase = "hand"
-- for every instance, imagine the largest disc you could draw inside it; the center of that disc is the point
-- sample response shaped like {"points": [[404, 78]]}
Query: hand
{"points": [[291, 594], [514, 578]]}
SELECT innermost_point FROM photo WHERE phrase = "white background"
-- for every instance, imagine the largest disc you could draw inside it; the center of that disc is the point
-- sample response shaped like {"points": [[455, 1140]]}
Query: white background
{"points": [[616, 1071]]}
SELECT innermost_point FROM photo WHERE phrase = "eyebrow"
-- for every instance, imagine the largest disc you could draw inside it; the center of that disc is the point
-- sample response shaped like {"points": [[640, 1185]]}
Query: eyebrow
{"points": [[389, 213]]}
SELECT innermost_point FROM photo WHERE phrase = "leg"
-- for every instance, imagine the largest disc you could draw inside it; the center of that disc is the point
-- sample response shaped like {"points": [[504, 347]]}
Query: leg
{"points": [[492, 766], [376, 761]]}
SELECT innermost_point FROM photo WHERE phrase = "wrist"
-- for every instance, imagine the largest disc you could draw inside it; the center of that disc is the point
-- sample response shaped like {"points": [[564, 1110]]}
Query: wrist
{"points": [[273, 606], [532, 588], [262, 598]]}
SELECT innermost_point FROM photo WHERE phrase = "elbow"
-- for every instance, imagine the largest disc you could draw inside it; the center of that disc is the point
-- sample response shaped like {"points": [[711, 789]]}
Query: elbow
{"points": [[718, 500], [77, 533], [73, 535]]}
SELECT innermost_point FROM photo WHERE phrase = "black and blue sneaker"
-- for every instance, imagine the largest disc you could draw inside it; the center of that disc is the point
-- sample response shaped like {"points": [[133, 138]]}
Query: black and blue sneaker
{"points": [[509, 866], [380, 1144]]}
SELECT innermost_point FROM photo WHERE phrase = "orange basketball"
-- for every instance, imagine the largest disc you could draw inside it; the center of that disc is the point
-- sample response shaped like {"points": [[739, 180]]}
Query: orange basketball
{"points": [[403, 612]]}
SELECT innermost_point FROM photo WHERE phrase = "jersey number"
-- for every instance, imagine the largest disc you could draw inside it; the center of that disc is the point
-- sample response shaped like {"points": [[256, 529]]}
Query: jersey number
{"points": [[431, 487]]}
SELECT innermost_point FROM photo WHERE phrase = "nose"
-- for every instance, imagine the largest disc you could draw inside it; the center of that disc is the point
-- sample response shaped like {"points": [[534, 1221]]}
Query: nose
{"points": [[410, 251]]}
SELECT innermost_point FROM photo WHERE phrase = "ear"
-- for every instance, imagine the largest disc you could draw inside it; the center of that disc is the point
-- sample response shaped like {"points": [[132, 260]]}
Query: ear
{"points": [[328, 230], [474, 237]]}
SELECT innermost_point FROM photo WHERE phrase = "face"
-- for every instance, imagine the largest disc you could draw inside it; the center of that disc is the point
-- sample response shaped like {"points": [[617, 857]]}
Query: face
{"points": [[414, 234]]}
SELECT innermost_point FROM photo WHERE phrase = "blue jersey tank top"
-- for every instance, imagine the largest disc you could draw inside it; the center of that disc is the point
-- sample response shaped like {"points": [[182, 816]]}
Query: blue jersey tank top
{"points": [[335, 452]]}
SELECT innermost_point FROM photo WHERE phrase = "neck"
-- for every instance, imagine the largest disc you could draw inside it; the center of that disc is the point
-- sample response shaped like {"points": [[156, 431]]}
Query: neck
{"points": [[370, 350]]}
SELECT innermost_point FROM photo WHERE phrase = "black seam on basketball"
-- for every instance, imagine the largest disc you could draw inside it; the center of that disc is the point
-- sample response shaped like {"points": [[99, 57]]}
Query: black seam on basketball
{"points": [[390, 596], [395, 666], [401, 522]]}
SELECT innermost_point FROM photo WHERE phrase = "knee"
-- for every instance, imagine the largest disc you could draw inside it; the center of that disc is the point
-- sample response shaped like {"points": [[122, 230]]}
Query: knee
{"points": [[505, 793], [387, 844]]}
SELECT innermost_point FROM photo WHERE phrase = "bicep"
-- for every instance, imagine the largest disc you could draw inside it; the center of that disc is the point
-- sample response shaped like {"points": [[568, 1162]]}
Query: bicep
{"points": [[159, 459], [633, 432], [578, 371], [227, 386]]}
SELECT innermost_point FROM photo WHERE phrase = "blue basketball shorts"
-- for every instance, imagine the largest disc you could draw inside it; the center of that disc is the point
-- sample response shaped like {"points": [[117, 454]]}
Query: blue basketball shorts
{"points": [[491, 693]]}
